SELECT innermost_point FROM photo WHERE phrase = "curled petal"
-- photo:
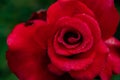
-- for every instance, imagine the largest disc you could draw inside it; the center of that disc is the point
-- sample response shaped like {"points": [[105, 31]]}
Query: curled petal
{"points": [[26, 57], [114, 55], [66, 64], [66, 8], [106, 15], [28, 31], [97, 65], [92, 24], [69, 37], [73, 24]]}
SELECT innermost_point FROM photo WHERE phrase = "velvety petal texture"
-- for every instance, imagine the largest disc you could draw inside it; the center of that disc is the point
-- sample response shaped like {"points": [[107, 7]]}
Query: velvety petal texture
{"points": [[66, 8], [72, 40], [97, 65], [27, 58], [106, 14], [113, 61], [103, 10], [114, 55]]}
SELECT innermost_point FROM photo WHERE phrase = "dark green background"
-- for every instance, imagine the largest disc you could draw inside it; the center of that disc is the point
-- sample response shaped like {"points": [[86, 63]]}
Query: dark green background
{"points": [[13, 12]]}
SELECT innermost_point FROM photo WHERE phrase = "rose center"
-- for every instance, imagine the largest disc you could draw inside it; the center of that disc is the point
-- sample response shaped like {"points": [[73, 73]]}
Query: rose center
{"points": [[72, 38]]}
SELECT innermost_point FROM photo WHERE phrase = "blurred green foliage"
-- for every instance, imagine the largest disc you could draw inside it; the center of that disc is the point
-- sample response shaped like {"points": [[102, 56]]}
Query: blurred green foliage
{"points": [[13, 12]]}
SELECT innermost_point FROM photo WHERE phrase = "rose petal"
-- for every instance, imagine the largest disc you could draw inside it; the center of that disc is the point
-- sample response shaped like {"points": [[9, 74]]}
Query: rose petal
{"points": [[28, 31], [81, 27], [71, 41], [55, 70], [92, 24], [95, 68], [106, 14], [114, 55], [67, 64], [66, 8], [106, 73], [59, 42], [29, 65], [26, 57]]}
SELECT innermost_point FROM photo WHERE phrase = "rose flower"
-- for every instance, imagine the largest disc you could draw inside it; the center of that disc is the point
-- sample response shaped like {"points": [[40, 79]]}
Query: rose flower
{"points": [[72, 40]]}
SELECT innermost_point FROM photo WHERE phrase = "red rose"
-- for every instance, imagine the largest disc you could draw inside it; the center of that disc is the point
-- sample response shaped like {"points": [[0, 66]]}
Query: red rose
{"points": [[72, 42]]}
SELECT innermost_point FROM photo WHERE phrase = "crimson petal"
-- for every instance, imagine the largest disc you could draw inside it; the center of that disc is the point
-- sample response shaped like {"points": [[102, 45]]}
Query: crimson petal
{"points": [[26, 57], [66, 8], [82, 28], [67, 64], [95, 68], [106, 73], [114, 55], [106, 14]]}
